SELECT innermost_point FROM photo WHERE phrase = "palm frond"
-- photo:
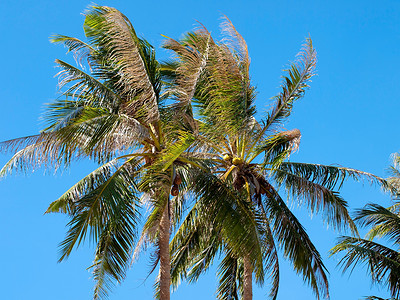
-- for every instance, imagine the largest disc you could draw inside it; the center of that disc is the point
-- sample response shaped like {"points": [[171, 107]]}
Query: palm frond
{"points": [[114, 247], [95, 132], [332, 176], [39, 151], [228, 273], [80, 49], [294, 85], [112, 32], [236, 42], [193, 56], [225, 206], [317, 193], [383, 262], [224, 97], [270, 258], [95, 201], [296, 244], [87, 88], [105, 211], [193, 247], [385, 223], [212, 224], [277, 148]]}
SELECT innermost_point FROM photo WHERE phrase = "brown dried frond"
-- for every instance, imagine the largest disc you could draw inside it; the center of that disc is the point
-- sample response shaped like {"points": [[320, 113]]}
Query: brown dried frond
{"points": [[293, 136], [41, 151], [236, 42]]}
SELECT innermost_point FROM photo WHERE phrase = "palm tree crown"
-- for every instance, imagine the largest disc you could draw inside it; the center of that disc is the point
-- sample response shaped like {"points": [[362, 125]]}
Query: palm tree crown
{"points": [[115, 115], [223, 105]]}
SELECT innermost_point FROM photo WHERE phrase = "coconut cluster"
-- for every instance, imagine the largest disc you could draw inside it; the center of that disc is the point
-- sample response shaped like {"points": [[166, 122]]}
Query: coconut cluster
{"points": [[175, 185]]}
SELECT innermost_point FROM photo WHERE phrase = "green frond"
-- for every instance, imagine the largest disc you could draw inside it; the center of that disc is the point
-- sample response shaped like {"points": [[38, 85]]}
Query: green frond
{"points": [[183, 141], [270, 258], [113, 251], [317, 193], [294, 85], [296, 244], [332, 176], [213, 224], [95, 132], [193, 56], [95, 201], [383, 262], [228, 273], [224, 96], [66, 203], [277, 148], [385, 223], [225, 206]]}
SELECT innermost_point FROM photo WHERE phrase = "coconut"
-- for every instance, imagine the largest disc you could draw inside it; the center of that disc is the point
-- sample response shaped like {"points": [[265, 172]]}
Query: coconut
{"points": [[174, 190], [237, 161], [177, 179]]}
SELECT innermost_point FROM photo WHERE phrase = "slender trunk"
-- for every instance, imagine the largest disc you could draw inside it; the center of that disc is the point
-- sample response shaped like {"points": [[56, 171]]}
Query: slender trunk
{"points": [[165, 264], [248, 279]]}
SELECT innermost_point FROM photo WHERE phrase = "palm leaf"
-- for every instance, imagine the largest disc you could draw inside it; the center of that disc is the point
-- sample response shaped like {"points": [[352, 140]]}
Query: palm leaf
{"points": [[332, 176], [296, 244], [95, 198], [294, 85], [112, 32], [80, 49], [92, 90], [228, 273], [383, 262], [236, 42], [318, 198], [193, 56], [385, 222]]}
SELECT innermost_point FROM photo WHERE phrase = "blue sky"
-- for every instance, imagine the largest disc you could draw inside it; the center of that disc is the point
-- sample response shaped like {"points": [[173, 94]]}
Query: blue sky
{"points": [[348, 117]]}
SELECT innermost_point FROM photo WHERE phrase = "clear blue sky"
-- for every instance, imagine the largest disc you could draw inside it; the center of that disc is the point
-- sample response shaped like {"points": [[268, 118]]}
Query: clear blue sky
{"points": [[348, 117]]}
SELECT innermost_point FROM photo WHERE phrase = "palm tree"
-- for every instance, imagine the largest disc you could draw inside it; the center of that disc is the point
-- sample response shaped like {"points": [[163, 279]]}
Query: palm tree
{"points": [[383, 261], [115, 115], [250, 163]]}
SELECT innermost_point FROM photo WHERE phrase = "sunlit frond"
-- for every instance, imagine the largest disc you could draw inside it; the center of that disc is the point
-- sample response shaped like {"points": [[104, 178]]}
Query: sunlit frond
{"points": [[111, 31], [385, 223], [80, 49], [224, 96], [193, 56], [277, 148], [40, 151], [332, 176], [103, 208], [87, 88], [318, 197], [237, 43], [294, 85]]}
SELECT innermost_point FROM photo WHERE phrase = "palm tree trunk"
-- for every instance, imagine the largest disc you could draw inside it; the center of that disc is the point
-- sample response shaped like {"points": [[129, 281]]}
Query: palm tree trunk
{"points": [[165, 264], [248, 279]]}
